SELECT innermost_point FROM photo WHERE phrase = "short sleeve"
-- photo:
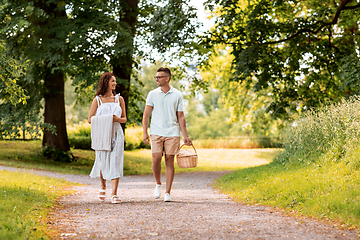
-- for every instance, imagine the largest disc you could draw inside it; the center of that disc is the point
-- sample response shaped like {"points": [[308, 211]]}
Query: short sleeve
{"points": [[149, 100], [180, 103]]}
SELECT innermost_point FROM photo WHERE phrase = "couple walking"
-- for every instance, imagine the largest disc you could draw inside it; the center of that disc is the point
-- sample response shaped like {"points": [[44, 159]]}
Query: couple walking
{"points": [[165, 106]]}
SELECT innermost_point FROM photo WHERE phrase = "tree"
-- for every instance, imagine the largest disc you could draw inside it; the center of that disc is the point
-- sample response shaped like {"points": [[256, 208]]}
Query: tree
{"points": [[247, 109], [11, 69], [19, 106], [83, 39], [295, 49]]}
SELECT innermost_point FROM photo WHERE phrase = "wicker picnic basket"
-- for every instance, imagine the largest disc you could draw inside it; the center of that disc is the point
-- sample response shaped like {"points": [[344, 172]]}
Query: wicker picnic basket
{"points": [[186, 158]]}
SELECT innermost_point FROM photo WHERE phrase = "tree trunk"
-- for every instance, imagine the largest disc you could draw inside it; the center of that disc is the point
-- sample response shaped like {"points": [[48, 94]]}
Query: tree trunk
{"points": [[54, 84], [122, 65], [55, 111]]}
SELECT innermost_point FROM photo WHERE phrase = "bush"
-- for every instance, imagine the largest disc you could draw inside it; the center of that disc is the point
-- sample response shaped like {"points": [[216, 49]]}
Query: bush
{"points": [[80, 137], [57, 154], [134, 138], [80, 142], [332, 129]]}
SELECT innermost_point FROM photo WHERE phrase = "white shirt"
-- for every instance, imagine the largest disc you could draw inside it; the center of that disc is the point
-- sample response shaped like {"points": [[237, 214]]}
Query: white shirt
{"points": [[164, 120]]}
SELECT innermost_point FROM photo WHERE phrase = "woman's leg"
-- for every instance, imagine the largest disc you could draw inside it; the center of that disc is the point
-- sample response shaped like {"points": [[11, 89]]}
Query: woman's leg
{"points": [[103, 181], [103, 188], [115, 184]]}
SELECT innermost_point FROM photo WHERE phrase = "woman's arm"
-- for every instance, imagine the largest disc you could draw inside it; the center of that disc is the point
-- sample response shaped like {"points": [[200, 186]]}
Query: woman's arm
{"points": [[123, 118], [93, 109]]}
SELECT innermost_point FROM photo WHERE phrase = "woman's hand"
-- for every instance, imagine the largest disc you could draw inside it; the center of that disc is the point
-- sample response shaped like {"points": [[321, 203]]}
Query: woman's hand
{"points": [[120, 120]]}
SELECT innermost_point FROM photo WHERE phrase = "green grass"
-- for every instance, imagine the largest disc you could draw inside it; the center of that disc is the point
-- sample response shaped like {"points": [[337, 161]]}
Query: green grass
{"points": [[27, 155], [238, 142], [329, 192], [317, 174], [25, 201]]}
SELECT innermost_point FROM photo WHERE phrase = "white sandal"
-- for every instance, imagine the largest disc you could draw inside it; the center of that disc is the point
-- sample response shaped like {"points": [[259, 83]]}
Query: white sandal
{"points": [[115, 199], [101, 196]]}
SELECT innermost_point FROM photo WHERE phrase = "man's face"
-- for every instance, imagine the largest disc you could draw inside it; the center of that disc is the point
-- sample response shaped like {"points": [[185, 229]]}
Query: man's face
{"points": [[162, 78]]}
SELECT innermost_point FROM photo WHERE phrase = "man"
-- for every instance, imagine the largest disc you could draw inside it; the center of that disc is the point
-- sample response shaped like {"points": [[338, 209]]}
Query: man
{"points": [[165, 105]]}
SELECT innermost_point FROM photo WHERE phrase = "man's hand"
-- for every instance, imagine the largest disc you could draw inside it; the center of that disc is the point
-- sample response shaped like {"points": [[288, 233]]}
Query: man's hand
{"points": [[187, 141], [146, 138]]}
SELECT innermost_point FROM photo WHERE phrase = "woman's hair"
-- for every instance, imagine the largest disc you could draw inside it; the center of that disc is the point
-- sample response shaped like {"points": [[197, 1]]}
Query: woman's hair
{"points": [[104, 83]]}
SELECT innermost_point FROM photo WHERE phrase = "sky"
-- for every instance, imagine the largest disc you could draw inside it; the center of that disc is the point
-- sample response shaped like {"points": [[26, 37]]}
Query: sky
{"points": [[202, 15]]}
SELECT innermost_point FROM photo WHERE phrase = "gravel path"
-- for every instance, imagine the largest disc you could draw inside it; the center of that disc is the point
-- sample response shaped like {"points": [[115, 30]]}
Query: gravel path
{"points": [[196, 212]]}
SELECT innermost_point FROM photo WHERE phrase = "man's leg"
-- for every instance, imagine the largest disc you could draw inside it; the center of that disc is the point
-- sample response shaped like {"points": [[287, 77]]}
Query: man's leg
{"points": [[156, 166], [169, 172]]}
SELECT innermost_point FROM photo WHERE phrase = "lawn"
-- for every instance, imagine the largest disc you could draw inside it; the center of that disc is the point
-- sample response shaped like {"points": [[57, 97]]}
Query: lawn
{"points": [[28, 155], [25, 201]]}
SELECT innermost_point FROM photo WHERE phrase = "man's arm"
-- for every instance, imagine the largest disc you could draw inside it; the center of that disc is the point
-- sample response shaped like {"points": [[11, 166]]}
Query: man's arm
{"points": [[182, 123], [145, 122]]}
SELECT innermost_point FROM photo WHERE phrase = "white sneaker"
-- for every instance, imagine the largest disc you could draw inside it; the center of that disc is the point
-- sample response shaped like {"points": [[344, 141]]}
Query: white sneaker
{"points": [[167, 197], [157, 191]]}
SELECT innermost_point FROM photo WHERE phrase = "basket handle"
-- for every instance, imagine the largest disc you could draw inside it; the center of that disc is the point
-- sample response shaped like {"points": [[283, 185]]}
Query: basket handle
{"points": [[188, 145]]}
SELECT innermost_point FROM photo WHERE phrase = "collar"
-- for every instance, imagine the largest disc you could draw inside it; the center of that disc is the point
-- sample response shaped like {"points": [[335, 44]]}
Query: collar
{"points": [[170, 90]]}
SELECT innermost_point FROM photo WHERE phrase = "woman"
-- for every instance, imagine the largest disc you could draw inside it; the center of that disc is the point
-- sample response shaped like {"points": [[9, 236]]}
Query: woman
{"points": [[108, 165]]}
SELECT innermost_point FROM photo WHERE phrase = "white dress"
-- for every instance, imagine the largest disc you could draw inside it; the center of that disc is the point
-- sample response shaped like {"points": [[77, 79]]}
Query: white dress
{"points": [[110, 163]]}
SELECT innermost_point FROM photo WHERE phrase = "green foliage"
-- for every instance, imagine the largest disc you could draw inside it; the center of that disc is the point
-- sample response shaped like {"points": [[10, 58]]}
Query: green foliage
{"points": [[247, 110], [134, 138], [333, 129], [76, 112], [350, 74], [57, 155], [80, 142], [317, 174], [241, 142], [172, 24], [25, 201], [294, 49], [11, 70], [80, 137]]}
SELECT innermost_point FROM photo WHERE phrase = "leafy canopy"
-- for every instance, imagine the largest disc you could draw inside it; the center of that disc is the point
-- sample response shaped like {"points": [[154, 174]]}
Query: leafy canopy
{"points": [[304, 52]]}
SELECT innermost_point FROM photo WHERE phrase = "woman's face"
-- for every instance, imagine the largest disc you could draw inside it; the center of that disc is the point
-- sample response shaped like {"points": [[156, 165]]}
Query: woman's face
{"points": [[112, 83]]}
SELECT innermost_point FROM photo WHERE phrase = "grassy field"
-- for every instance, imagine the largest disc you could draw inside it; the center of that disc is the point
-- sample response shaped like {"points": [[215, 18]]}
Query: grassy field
{"points": [[27, 154], [317, 174], [25, 201]]}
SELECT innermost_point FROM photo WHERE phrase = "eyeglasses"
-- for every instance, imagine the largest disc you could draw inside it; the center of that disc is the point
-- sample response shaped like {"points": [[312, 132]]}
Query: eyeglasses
{"points": [[158, 77]]}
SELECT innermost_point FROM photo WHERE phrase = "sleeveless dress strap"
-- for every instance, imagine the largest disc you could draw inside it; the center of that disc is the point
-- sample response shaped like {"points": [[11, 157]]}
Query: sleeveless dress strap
{"points": [[98, 100], [117, 97]]}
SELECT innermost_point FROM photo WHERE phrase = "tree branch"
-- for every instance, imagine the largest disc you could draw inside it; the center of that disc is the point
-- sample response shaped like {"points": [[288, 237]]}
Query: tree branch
{"points": [[340, 8], [217, 35]]}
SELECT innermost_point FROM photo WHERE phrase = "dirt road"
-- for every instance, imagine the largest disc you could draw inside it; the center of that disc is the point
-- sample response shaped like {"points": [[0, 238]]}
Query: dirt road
{"points": [[196, 212]]}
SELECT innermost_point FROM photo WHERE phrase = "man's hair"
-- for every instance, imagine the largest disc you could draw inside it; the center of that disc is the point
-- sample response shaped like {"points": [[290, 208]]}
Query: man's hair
{"points": [[166, 70]]}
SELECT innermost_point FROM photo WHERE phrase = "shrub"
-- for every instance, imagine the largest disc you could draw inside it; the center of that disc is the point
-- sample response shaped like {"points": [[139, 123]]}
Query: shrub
{"points": [[57, 154], [80, 137], [133, 137], [80, 142], [333, 129]]}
